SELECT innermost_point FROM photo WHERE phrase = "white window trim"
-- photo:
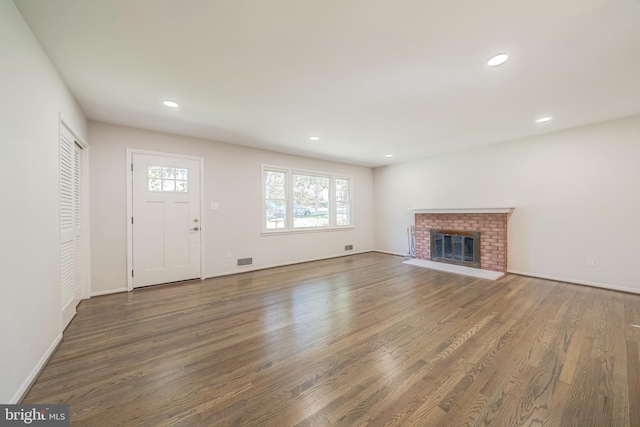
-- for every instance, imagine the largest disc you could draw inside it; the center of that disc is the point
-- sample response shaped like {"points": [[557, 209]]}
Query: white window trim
{"points": [[289, 229]]}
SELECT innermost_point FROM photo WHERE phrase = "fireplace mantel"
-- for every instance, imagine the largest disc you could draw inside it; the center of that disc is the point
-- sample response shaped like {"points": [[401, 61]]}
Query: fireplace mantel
{"points": [[463, 210]]}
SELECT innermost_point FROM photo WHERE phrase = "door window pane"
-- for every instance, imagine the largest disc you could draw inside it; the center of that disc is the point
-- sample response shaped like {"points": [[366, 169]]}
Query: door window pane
{"points": [[167, 179]]}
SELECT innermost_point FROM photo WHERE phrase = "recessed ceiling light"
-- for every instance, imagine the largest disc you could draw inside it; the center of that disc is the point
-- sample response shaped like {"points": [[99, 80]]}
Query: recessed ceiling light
{"points": [[498, 59], [315, 138], [388, 155], [170, 104], [543, 119]]}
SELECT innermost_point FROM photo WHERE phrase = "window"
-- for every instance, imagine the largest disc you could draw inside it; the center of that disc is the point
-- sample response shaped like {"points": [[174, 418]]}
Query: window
{"points": [[343, 201], [276, 199], [304, 200], [161, 178], [310, 194]]}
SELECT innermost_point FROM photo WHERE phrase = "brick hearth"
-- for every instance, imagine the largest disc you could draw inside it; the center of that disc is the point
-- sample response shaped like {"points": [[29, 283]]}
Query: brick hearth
{"points": [[492, 228]]}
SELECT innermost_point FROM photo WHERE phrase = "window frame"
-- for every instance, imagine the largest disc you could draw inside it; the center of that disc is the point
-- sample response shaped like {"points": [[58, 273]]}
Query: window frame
{"points": [[289, 201]]}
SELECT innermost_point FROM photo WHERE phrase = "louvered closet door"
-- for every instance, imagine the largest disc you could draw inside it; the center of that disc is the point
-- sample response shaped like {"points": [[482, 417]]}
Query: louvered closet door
{"points": [[70, 224]]}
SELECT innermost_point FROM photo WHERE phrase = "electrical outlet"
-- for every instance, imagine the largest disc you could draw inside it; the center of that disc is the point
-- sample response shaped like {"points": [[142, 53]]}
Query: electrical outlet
{"points": [[591, 262], [215, 205], [229, 255]]}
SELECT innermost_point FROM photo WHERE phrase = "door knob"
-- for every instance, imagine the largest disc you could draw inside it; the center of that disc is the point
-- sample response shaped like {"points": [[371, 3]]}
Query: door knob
{"points": [[195, 228]]}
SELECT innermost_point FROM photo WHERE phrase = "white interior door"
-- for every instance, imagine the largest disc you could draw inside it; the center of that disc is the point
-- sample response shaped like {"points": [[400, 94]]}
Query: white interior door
{"points": [[166, 223], [70, 224]]}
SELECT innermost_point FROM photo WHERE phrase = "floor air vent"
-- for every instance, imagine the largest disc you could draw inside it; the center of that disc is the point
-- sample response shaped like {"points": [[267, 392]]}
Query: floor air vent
{"points": [[245, 261]]}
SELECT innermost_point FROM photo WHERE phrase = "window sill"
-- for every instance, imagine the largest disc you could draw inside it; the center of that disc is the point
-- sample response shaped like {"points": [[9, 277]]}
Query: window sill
{"points": [[305, 230]]}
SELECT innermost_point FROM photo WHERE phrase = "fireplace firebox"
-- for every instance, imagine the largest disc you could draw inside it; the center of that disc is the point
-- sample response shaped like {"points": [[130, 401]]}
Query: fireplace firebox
{"points": [[456, 247]]}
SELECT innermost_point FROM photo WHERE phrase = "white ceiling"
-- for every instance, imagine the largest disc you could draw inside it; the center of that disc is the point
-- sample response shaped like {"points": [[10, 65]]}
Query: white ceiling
{"points": [[370, 77]]}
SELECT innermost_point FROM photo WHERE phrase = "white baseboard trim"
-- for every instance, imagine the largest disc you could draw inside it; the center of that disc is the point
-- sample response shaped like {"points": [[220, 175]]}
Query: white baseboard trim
{"points": [[576, 281], [17, 397], [110, 291], [284, 264]]}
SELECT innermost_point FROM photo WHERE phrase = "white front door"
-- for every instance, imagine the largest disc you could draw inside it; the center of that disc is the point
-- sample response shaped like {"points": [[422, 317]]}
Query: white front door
{"points": [[166, 219], [70, 224]]}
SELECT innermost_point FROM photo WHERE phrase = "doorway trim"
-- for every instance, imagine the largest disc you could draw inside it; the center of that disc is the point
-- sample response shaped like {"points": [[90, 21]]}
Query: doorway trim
{"points": [[128, 166]]}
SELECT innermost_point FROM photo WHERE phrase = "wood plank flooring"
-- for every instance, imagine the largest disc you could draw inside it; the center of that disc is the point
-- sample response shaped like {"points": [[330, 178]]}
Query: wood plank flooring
{"points": [[358, 340]]}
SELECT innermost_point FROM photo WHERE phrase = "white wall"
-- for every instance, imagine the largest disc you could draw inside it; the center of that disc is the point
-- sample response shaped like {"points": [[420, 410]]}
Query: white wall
{"points": [[576, 194], [33, 98], [233, 179]]}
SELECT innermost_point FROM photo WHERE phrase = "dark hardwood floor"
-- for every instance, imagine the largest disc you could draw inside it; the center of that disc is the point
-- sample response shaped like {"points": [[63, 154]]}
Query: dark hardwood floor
{"points": [[359, 340]]}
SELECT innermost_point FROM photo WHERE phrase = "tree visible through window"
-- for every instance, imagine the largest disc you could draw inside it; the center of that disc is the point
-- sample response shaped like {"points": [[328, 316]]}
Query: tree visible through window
{"points": [[167, 179], [276, 199], [343, 202], [311, 194], [305, 200]]}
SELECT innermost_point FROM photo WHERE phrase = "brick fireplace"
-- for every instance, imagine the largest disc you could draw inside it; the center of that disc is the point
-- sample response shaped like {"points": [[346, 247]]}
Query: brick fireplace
{"points": [[491, 224]]}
